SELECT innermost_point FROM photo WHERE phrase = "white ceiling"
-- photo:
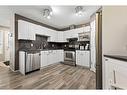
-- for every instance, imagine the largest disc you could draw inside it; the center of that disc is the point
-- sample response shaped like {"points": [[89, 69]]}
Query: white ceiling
{"points": [[62, 17]]}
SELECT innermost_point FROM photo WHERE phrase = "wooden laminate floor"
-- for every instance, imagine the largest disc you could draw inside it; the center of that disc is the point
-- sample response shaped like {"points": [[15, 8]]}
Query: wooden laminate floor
{"points": [[57, 76]]}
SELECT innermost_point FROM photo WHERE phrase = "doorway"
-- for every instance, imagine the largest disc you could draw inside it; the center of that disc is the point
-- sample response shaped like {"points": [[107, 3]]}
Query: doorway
{"points": [[4, 46]]}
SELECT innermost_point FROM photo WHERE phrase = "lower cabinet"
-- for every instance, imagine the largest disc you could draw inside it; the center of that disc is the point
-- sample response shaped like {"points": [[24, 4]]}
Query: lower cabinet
{"points": [[51, 56], [114, 74], [44, 58], [83, 58]]}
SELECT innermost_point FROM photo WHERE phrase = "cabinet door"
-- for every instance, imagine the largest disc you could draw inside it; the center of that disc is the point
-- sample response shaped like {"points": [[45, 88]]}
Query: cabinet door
{"points": [[68, 34], [44, 58], [31, 31], [60, 37], [22, 62], [49, 58], [109, 70], [60, 56], [86, 58], [55, 56], [78, 58], [23, 30], [87, 28], [83, 58], [26, 30], [74, 33], [120, 77], [117, 74], [52, 36]]}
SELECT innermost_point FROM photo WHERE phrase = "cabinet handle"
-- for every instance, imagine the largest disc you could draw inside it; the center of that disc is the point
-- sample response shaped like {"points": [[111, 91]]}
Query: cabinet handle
{"points": [[114, 76]]}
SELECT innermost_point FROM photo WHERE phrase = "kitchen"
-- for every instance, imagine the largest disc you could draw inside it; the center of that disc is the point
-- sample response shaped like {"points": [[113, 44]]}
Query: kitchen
{"points": [[54, 49], [38, 49]]}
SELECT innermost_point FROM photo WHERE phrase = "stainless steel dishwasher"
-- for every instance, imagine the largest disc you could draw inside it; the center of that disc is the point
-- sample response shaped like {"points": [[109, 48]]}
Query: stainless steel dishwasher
{"points": [[32, 61]]}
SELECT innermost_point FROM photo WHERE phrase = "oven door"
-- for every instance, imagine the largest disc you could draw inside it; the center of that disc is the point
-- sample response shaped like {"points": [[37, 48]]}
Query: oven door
{"points": [[69, 56]]}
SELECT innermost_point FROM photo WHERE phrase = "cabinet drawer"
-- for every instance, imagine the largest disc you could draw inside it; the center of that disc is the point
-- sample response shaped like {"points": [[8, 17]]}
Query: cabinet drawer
{"points": [[120, 77]]}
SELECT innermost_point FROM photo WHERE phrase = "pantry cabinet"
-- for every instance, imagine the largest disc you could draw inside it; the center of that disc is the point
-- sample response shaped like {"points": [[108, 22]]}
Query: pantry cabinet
{"points": [[114, 72], [83, 58]]}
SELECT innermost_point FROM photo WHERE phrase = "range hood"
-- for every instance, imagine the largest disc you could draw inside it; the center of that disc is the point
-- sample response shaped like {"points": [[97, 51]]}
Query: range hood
{"points": [[72, 39]]}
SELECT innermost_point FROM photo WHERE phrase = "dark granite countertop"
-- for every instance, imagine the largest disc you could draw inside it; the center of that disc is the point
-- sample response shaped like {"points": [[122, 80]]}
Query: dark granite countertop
{"points": [[82, 50], [36, 50], [118, 57]]}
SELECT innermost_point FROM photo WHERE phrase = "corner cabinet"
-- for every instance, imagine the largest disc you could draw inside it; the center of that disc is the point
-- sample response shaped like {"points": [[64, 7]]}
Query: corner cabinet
{"points": [[26, 30], [114, 74], [83, 58]]}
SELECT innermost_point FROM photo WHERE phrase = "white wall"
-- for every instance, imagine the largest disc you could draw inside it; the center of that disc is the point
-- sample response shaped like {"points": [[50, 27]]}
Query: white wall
{"points": [[114, 30], [5, 16]]}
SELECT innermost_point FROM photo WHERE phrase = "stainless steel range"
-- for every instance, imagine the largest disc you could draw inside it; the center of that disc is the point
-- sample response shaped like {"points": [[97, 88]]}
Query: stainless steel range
{"points": [[70, 57]]}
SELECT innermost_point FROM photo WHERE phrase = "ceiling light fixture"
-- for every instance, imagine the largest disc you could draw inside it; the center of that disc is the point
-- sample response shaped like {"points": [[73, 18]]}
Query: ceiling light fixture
{"points": [[79, 10], [47, 13]]}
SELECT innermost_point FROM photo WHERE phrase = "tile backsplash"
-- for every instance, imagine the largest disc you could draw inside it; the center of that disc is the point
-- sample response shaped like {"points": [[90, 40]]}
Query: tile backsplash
{"points": [[39, 43], [42, 43]]}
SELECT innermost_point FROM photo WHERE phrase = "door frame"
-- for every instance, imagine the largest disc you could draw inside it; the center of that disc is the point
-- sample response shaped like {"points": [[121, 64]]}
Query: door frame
{"points": [[98, 37]]}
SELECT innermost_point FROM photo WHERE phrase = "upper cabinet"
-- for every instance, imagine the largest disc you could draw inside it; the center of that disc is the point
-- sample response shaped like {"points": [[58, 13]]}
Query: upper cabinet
{"points": [[73, 33], [60, 37], [26, 30], [52, 35]]}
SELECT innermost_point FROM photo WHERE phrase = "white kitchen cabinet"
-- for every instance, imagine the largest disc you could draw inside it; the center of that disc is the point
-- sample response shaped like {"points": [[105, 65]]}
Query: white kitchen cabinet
{"points": [[22, 62], [26, 30], [52, 36], [87, 28], [60, 37], [83, 58], [51, 56], [41, 31], [68, 34], [44, 58], [73, 33], [115, 73], [60, 55]]}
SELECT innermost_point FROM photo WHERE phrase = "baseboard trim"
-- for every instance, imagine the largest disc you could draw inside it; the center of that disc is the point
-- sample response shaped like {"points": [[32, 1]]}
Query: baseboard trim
{"points": [[13, 70]]}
